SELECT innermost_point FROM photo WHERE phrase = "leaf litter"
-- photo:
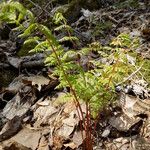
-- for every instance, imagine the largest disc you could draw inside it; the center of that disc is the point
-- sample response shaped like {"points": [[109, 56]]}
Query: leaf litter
{"points": [[35, 118]]}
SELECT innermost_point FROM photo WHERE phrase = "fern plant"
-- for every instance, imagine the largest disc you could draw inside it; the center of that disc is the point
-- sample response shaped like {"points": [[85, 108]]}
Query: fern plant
{"points": [[14, 12], [90, 80], [93, 86], [116, 52]]}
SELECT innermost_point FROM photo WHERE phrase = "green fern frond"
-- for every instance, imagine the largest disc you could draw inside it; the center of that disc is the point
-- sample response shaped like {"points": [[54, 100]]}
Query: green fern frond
{"points": [[50, 60], [69, 67], [20, 17], [95, 46], [12, 6], [68, 38], [6, 14], [63, 26], [32, 39], [59, 18], [122, 40], [9, 10], [17, 6], [31, 28], [84, 51], [49, 35], [69, 56], [41, 47], [30, 15]]}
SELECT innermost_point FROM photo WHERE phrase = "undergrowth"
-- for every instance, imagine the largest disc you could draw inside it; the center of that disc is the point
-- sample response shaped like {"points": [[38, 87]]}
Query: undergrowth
{"points": [[89, 79]]}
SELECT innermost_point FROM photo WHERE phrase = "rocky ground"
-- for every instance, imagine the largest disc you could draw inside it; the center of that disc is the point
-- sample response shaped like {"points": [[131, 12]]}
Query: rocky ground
{"points": [[34, 115]]}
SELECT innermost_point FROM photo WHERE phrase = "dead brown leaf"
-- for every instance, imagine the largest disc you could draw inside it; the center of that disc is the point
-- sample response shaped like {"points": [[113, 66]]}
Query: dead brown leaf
{"points": [[77, 138], [70, 145], [37, 80]]}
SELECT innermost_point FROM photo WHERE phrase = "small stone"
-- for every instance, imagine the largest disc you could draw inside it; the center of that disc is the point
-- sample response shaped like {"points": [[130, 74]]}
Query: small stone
{"points": [[106, 132]]}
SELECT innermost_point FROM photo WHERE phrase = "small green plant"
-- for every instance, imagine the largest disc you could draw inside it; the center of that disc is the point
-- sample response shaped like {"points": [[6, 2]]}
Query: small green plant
{"points": [[14, 13], [90, 80]]}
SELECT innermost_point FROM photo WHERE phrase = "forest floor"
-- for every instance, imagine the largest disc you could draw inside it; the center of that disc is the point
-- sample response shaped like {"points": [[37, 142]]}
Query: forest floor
{"points": [[34, 115]]}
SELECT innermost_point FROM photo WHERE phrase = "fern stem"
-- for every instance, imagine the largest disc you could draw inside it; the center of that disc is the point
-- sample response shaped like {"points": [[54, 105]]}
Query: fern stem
{"points": [[88, 128], [76, 101]]}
